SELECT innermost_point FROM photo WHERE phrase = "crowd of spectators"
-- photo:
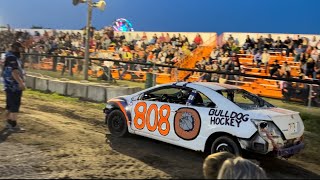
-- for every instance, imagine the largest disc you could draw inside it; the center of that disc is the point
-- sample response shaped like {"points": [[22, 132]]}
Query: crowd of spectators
{"points": [[160, 48], [225, 58], [168, 50]]}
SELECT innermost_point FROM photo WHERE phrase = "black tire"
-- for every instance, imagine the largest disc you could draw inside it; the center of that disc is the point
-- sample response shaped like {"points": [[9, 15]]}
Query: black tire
{"points": [[225, 143], [117, 124]]}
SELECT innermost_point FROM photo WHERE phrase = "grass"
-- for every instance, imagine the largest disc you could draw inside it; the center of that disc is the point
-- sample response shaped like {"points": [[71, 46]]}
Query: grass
{"points": [[310, 116], [54, 97]]}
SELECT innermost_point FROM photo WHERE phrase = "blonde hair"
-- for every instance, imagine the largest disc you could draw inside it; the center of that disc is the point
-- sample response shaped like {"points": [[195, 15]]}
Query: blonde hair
{"points": [[213, 162], [240, 168]]}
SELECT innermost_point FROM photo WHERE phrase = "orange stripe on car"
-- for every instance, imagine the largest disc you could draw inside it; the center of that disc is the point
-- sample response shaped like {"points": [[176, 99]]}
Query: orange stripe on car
{"points": [[122, 109]]}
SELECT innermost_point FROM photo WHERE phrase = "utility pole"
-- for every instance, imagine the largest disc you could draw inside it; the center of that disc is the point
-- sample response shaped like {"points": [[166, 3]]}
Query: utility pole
{"points": [[87, 47]]}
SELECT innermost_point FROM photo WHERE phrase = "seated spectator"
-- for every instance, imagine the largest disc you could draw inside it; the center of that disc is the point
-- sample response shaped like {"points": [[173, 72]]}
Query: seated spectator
{"points": [[154, 39], [215, 66], [285, 70], [314, 54], [304, 43], [275, 69], [286, 89], [198, 40], [248, 43], [313, 42], [214, 54], [167, 38], [268, 42], [257, 58], [278, 45], [310, 67], [316, 69], [265, 57], [260, 43], [224, 61], [298, 52], [239, 168], [213, 163], [230, 39]]}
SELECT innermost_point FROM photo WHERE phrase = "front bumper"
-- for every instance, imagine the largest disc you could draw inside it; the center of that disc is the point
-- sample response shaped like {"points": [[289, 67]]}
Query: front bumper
{"points": [[290, 150]]}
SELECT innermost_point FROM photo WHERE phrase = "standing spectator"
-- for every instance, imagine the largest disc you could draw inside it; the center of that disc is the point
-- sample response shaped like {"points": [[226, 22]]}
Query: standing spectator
{"points": [[239, 168], [13, 76], [213, 163]]}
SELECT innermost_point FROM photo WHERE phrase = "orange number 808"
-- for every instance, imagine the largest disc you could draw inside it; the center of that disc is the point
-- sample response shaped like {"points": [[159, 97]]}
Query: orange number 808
{"points": [[159, 119]]}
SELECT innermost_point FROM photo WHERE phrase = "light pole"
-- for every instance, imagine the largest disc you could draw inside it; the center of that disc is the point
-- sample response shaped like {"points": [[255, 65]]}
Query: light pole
{"points": [[100, 5], [87, 53]]}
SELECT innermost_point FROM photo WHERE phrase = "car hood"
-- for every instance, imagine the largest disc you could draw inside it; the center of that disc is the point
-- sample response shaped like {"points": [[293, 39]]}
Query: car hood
{"points": [[289, 122]]}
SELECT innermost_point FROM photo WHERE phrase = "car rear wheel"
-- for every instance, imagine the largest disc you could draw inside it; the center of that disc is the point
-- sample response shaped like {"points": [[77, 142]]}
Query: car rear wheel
{"points": [[225, 144], [117, 124]]}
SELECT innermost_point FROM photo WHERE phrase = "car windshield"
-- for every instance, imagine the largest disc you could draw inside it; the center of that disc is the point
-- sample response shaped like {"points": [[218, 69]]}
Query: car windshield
{"points": [[245, 99]]}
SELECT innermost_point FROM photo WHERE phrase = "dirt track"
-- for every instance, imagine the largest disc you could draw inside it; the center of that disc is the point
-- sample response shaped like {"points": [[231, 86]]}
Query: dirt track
{"points": [[68, 141]]}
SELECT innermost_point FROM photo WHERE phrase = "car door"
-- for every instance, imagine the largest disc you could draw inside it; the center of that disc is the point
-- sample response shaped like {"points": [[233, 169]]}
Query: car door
{"points": [[154, 118]]}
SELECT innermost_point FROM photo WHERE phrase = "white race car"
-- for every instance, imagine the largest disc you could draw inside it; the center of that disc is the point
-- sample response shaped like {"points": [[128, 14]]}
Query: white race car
{"points": [[207, 117]]}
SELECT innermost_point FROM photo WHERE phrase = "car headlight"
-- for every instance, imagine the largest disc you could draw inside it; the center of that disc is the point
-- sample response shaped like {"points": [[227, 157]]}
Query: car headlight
{"points": [[108, 106], [270, 133]]}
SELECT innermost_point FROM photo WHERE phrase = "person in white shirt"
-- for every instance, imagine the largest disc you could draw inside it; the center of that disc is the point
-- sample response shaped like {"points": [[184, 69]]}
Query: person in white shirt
{"points": [[313, 42], [214, 54], [265, 57]]}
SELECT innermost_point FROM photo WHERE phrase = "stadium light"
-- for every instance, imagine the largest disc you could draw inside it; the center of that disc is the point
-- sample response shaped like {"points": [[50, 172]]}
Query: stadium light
{"points": [[101, 6]]}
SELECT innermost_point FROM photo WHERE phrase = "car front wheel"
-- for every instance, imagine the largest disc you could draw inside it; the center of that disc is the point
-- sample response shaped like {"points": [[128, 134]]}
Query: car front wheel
{"points": [[225, 144], [117, 124]]}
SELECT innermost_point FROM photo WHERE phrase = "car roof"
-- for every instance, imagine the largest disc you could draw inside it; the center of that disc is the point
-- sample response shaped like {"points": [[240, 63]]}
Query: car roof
{"points": [[212, 85], [216, 86]]}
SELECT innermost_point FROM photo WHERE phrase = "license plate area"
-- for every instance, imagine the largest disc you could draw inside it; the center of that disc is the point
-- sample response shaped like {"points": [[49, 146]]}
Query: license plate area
{"points": [[293, 127]]}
